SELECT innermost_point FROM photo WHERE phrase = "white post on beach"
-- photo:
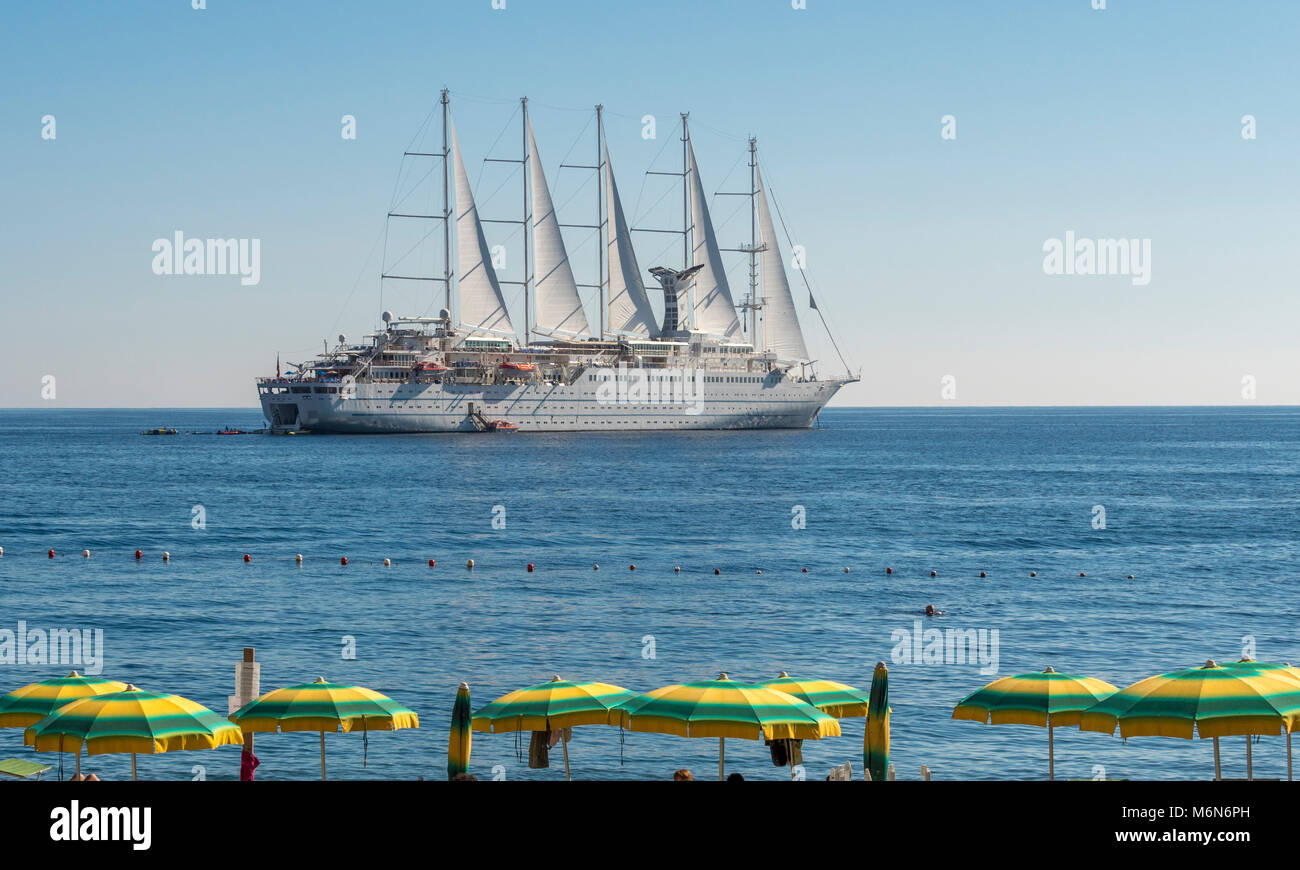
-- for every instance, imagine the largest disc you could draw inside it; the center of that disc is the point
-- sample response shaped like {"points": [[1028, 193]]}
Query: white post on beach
{"points": [[248, 687]]}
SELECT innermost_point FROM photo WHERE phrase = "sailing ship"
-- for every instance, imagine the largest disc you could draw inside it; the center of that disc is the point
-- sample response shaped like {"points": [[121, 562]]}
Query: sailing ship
{"points": [[469, 369]]}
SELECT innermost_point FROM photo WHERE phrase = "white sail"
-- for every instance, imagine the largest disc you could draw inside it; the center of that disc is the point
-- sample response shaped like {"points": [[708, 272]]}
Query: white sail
{"points": [[557, 306], [781, 332], [629, 306], [715, 312], [482, 307]]}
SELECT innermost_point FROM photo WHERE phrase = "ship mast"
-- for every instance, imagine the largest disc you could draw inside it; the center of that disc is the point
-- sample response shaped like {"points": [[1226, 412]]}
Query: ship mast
{"points": [[602, 265], [446, 207], [754, 301], [527, 217], [445, 217]]}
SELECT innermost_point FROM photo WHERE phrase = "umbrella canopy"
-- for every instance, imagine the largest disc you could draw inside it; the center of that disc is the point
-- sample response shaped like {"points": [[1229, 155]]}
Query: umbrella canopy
{"points": [[1044, 699], [550, 706], [875, 740], [1029, 699], [324, 706], [1213, 701], [133, 721], [458, 743], [725, 708], [25, 707], [1274, 669], [834, 699]]}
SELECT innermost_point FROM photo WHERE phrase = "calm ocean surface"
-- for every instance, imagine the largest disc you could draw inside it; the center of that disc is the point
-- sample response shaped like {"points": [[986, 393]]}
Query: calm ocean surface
{"points": [[1202, 507]]}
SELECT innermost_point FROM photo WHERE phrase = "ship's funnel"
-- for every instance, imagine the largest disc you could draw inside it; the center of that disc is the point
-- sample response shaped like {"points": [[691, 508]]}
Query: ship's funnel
{"points": [[675, 284]]}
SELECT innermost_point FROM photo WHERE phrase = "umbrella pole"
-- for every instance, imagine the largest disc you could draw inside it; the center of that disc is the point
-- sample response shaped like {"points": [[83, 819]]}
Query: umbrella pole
{"points": [[1250, 767], [722, 756], [132, 767], [1217, 774], [1051, 751], [322, 756], [1288, 756], [79, 758], [565, 743]]}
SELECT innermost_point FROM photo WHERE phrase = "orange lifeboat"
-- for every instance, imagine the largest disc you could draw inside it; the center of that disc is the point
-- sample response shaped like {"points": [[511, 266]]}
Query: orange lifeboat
{"points": [[519, 367]]}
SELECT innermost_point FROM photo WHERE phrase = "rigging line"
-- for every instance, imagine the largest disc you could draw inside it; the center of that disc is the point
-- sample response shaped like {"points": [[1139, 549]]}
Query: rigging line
{"points": [[718, 132], [577, 139], [803, 273], [364, 266], [415, 188], [420, 241], [483, 165], [644, 177]]}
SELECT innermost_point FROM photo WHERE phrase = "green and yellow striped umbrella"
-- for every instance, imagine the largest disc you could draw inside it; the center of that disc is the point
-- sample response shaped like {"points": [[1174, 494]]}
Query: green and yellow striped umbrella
{"points": [[25, 707], [1212, 701], [725, 708], [133, 721], [1280, 670], [552, 706], [323, 706], [835, 699], [458, 741], [1044, 699], [875, 739]]}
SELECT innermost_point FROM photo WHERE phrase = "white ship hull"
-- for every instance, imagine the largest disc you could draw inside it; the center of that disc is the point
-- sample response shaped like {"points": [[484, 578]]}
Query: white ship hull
{"points": [[757, 403]]}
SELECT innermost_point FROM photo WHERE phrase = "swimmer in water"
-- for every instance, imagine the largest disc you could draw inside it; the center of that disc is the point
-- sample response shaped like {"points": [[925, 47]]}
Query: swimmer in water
{"points": [[930, 611]]}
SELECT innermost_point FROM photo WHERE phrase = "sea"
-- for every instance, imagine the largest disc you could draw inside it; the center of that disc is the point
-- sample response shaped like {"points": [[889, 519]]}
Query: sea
{"points": [[1022, 525]]}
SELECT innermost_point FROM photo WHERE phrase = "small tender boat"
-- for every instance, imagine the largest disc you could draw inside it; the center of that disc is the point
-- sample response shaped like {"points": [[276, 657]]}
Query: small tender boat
{"points": [[502, 426], [231, 432], [431, 367], [163, 431], [519, 367]]}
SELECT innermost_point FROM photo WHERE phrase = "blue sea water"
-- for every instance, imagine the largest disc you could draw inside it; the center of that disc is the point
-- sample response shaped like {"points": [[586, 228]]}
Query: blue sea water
{"points": [[1201, 506]]}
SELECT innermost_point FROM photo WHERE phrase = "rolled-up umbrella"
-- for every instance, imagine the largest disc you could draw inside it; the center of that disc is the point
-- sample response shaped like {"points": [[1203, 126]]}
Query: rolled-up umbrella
{"points": [[323, 706], [875, 739], [133, 721], [458, 743], [551, 706], [1046, 699], [725, 708], [1212, 701]]}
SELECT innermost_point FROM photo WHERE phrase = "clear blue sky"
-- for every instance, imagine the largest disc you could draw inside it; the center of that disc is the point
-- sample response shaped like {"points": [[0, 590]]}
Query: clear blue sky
{"points": [[225, 122]]}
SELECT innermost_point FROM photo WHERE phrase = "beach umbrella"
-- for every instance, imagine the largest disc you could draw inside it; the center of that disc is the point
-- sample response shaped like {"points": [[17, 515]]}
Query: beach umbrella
{"points": [[24, 707], [725, 708], [1046, 699], [323, 706], [133, 721], [1281, 670], [1212, 701], [458, 743], [875, 739], [835, 699], [552, 706]]}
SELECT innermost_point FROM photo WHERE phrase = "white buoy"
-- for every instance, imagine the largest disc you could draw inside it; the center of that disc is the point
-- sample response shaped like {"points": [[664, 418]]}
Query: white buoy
{"points": [[595, 567], [387, 562], [2, 551], [85, 554], [469, 563], [298, 558], [167, 557], [846, 570], [677, 569]]}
